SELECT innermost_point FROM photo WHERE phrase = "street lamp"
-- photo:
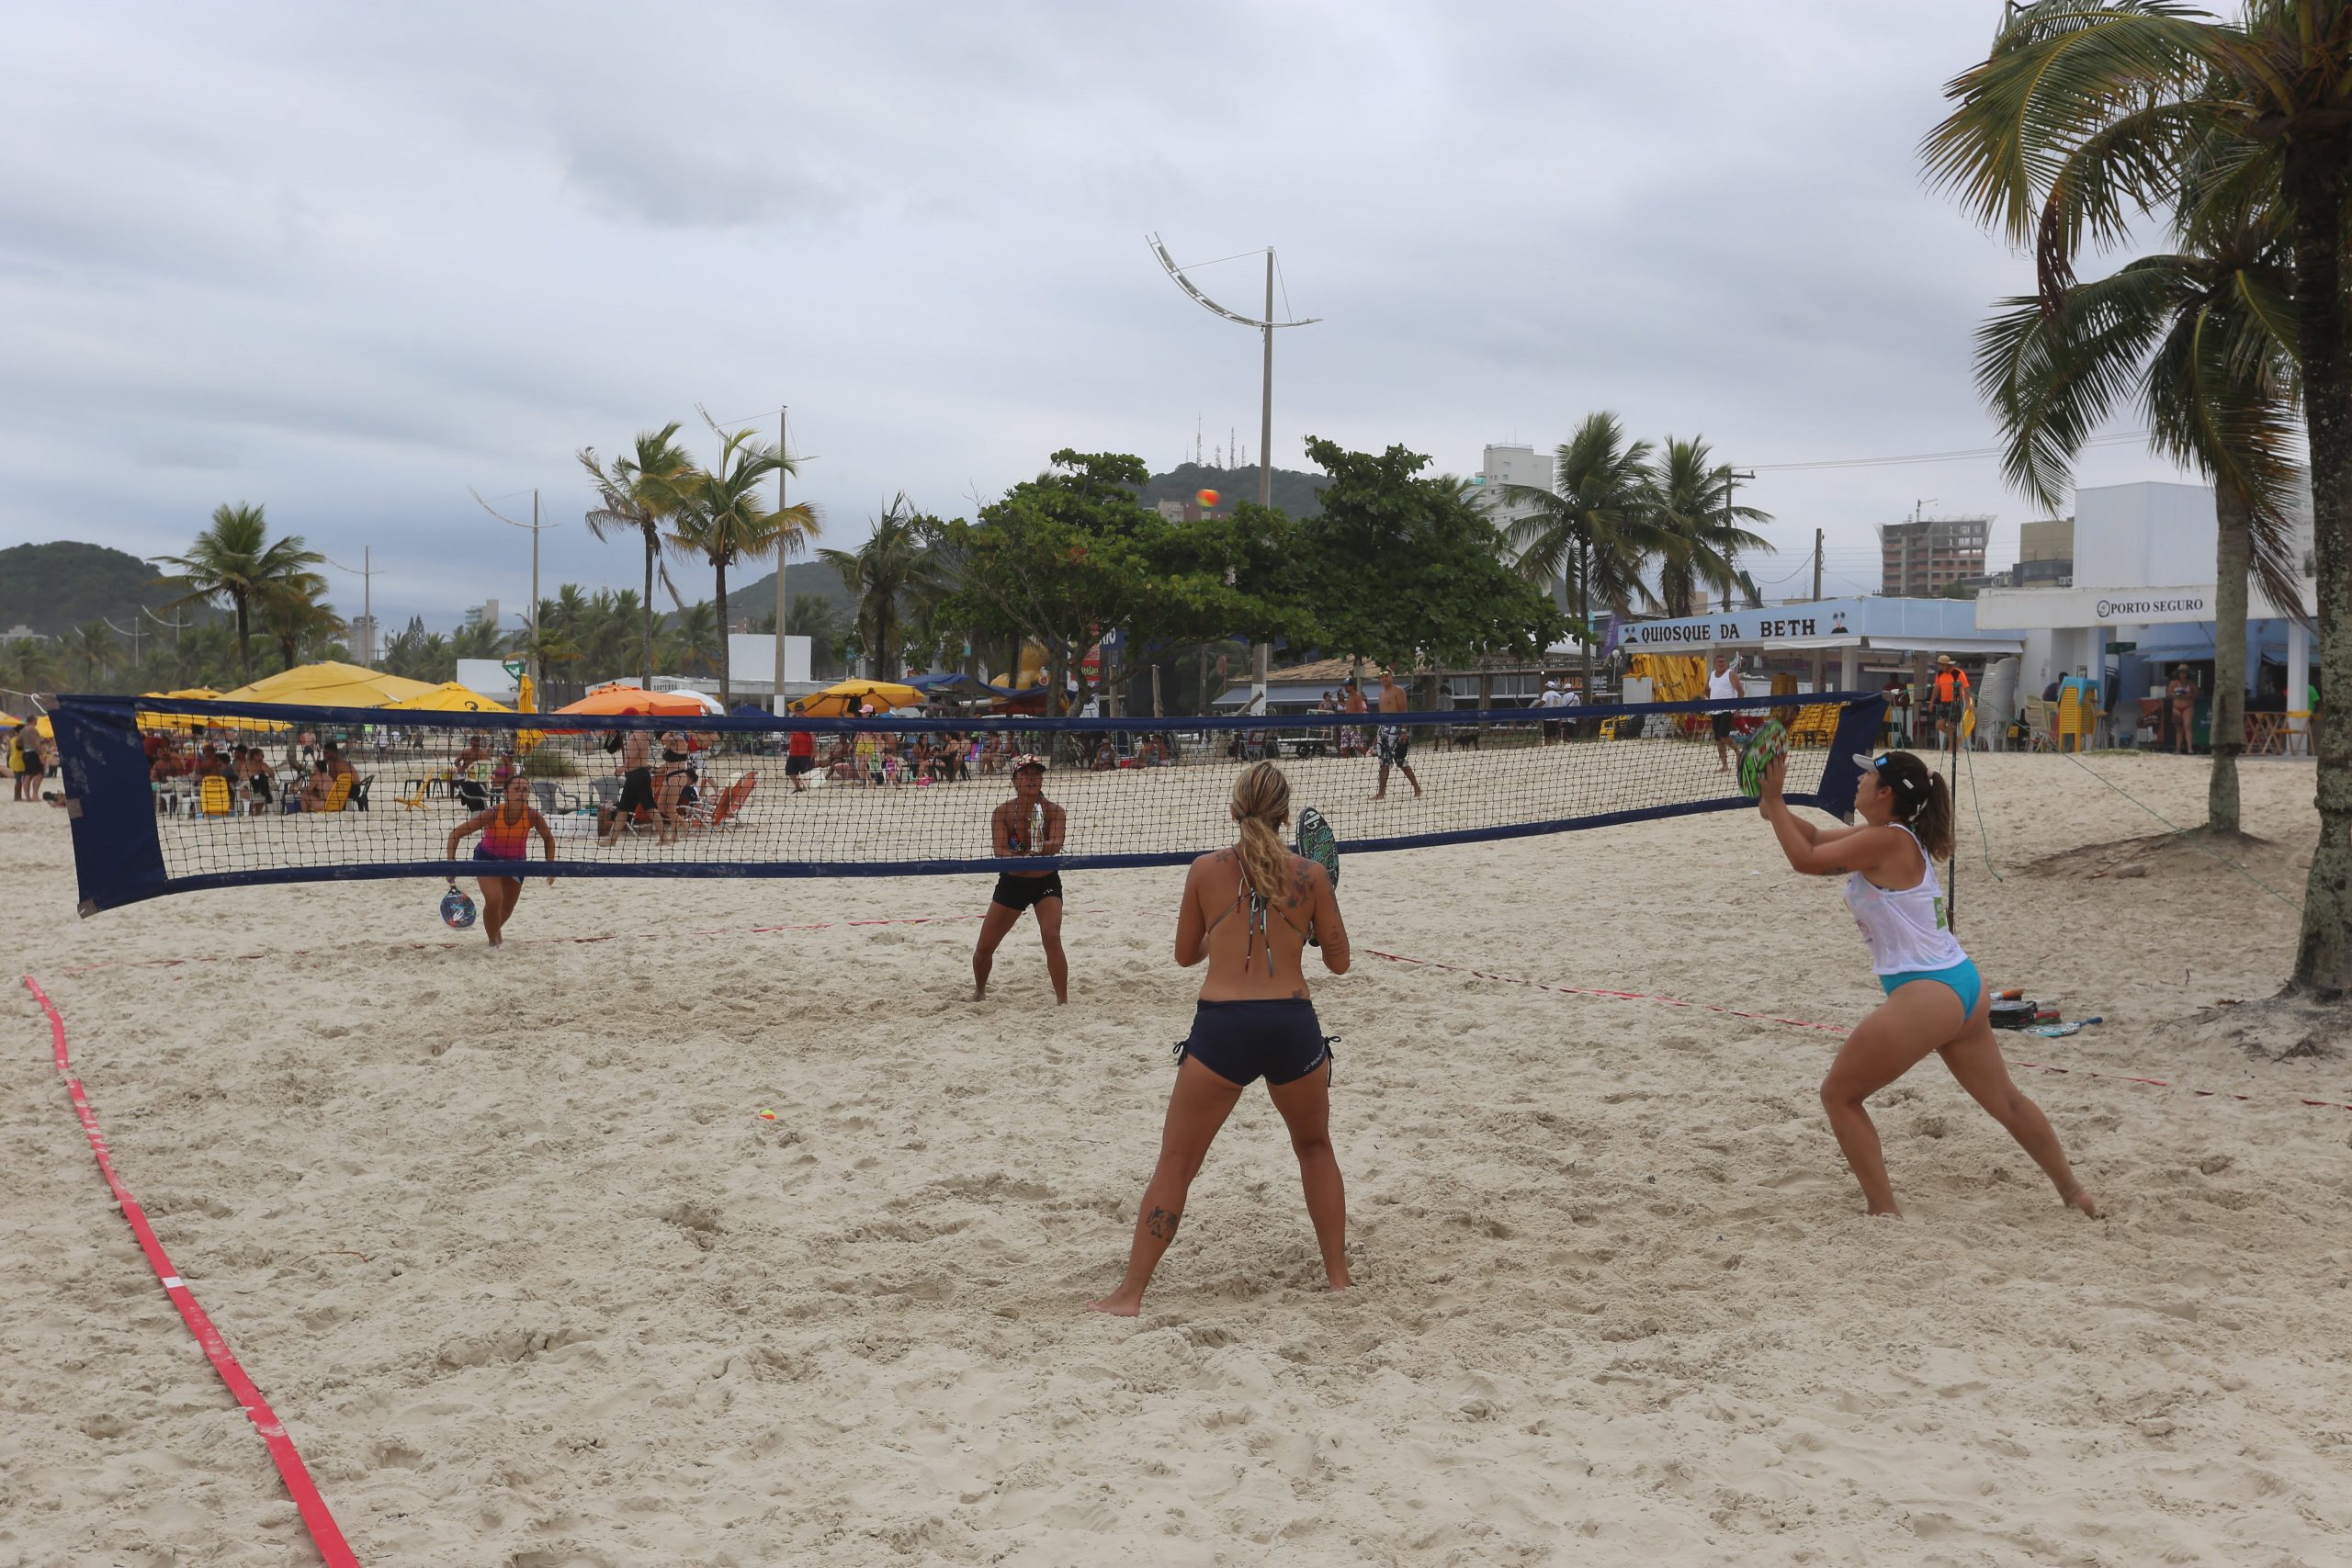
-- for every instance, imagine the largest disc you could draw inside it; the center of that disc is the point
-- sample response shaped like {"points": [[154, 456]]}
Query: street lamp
{"points": [[1266, 326]]}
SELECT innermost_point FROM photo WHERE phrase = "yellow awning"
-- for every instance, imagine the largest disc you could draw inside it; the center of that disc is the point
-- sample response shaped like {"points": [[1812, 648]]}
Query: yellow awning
{"points": [[451, 697], [330, 684]]}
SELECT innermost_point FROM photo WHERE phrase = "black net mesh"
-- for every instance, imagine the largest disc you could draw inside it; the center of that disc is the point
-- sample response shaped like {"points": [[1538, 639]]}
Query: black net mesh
{"points": [[356, 795]]}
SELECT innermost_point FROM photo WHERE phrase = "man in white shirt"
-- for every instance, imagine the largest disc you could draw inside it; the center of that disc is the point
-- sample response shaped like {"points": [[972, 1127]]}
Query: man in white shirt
{"points": [[1548, 700], [1723, 684]]}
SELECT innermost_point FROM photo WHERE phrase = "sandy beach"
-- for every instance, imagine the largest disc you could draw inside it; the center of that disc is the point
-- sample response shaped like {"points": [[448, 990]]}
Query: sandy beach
{"points": [[531, 1283]]}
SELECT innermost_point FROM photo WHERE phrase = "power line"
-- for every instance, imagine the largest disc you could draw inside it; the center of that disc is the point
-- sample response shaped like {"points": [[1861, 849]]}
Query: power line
{"points": [[2116, 438]]}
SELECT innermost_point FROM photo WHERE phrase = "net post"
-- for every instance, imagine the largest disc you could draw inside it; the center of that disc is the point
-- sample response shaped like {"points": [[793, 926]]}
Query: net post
{"points": [[118, 853], [1861, 718]]}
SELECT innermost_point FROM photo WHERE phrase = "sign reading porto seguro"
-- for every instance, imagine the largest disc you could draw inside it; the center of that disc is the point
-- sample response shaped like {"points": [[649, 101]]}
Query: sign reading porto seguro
{"points": [[2169, 607]]}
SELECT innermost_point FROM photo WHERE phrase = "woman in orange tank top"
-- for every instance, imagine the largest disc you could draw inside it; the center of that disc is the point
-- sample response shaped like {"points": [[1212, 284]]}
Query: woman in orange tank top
{"points": [[505, 828]]}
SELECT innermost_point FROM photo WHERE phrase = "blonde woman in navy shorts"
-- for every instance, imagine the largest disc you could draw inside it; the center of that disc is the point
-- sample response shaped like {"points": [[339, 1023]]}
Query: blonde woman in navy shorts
{"points": [[1250, 910]]}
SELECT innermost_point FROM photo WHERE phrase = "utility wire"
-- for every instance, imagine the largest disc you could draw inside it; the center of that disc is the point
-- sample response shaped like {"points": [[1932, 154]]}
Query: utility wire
{"points": [[2116, 439]]}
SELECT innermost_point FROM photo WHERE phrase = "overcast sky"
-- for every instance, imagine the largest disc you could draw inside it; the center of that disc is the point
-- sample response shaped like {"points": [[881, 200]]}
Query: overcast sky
{"points": [[348, 261]]}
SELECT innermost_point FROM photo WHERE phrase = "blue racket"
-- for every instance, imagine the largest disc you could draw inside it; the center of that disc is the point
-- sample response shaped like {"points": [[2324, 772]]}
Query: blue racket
{"points": [[456, 909], [1319, 843]]}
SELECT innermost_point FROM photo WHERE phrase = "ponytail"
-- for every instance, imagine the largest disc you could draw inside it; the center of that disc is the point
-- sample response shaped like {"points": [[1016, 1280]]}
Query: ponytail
{"points": [[1932, 822], [1261, 801]]}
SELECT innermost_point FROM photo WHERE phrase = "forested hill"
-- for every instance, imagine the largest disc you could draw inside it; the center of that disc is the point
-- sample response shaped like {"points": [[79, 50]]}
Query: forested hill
{"points": [[809, 579], [55, 587], [1301, 495]]}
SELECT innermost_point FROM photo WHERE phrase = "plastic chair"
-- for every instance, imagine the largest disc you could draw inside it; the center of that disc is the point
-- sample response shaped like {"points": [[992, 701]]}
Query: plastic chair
{"points": [[213, 796], [338, 794]]}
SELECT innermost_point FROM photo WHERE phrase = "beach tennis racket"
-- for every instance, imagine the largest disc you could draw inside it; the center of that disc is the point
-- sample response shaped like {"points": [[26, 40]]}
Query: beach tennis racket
{"points": [[2060, 1030], [1766, 746], [1319, 843], [456, 909]]}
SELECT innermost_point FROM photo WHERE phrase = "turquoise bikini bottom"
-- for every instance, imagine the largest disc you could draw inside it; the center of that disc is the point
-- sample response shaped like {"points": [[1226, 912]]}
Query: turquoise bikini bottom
{"points": [[1962, 979]]}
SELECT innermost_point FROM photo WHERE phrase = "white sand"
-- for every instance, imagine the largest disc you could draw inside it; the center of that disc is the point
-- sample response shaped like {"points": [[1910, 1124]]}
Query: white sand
{"points": [[507, 1247]]}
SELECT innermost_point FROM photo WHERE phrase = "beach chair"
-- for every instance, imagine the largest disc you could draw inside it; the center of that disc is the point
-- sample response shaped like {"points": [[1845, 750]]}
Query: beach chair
{"points": [[214, 798], [338, 794]]}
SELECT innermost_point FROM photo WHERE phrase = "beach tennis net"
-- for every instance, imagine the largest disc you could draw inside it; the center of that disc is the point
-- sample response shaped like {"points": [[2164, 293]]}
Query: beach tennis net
{"points": [[172, 795]]}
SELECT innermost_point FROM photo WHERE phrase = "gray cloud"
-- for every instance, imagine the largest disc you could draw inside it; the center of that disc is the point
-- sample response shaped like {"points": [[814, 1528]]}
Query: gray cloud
{"points": [[355, 262]]}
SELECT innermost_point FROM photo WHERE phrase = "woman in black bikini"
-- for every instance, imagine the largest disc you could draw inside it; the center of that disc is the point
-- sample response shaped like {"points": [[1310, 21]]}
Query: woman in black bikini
{"points": [[1250, 910]]}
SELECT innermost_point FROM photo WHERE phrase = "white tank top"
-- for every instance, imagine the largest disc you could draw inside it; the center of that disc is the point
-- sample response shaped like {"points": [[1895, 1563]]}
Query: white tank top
{"points": [[1905, 929]]}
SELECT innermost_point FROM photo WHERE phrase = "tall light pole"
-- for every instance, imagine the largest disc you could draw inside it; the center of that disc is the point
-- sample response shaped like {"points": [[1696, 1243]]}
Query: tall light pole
{"points": [[1266, 326], [134, 634], [366, 573], [538, 676]]}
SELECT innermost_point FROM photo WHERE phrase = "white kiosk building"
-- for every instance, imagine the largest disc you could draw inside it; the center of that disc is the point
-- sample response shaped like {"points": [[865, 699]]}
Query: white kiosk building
{"points": [[2143, 575]]}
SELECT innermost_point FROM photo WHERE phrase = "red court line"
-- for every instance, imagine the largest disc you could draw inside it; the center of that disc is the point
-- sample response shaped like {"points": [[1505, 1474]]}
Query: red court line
{"points": [[1808, 1023], [313, 1508]]}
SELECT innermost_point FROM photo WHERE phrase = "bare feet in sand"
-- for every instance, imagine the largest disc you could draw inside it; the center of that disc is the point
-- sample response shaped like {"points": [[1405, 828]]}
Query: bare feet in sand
{"points": [[2080, 1198], [1117, 1305]]}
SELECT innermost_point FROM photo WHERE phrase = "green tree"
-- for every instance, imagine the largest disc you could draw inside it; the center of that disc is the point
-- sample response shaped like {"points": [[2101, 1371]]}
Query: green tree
{"points": [[1592, 530], [294, 611], [636, 496], [2091, 113], [236, 559], [2202, 339], [1072, 555], [1403, 570], [695, 640], [890, 571], [28, 664], [90, 649], [1690, 503], [719, 517]]}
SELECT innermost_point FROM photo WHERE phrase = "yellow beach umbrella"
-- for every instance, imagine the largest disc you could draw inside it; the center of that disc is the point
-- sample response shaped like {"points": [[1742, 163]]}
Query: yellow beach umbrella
{"points": [[10, 721], [844, 698], [330, 683]]}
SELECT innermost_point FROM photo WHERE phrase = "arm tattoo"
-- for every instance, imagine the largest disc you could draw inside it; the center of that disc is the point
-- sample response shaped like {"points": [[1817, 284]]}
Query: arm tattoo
{"points": [[1161, 1224]]}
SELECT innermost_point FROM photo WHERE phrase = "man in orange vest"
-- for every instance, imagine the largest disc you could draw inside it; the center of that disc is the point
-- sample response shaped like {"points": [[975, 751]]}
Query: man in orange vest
{"points": [[1952, 700]]}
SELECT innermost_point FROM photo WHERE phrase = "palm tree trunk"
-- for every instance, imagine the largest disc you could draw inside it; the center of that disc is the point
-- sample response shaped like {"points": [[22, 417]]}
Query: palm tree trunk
{"points": [[2234, 515], [726, 695], [244, 651], [645, 661], [1583, 614], [2315, 178]]}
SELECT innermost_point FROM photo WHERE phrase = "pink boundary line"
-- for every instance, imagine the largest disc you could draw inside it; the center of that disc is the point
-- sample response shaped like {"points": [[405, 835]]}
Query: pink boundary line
{"points": [[1808, 1023], [313, 1508]]}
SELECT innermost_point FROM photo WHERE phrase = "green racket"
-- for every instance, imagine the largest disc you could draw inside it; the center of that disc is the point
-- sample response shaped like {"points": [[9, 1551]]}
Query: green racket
{"points": [[1319, 843], [1758, 753]]}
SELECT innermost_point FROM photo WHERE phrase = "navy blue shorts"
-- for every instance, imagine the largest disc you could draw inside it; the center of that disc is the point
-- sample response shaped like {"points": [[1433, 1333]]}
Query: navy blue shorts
{"points": [[1279, 1040]]}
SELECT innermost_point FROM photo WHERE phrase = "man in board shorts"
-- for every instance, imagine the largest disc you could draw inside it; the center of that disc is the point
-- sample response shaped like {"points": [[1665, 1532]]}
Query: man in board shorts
{"points": [[1028, 824], [799, 756], [1395, 740], [1724, 683], [637, 785]]}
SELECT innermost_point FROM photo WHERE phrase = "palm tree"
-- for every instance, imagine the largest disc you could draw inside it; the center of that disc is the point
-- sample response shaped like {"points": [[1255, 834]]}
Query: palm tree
{"points": [[27, 664], [2202, 340], [236, 559], [1691, 503], [294, 611], [721, 517], [695, 641], [636, 495], [1591, 530], [891, 567], [2091, 113], [92, 646]]}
